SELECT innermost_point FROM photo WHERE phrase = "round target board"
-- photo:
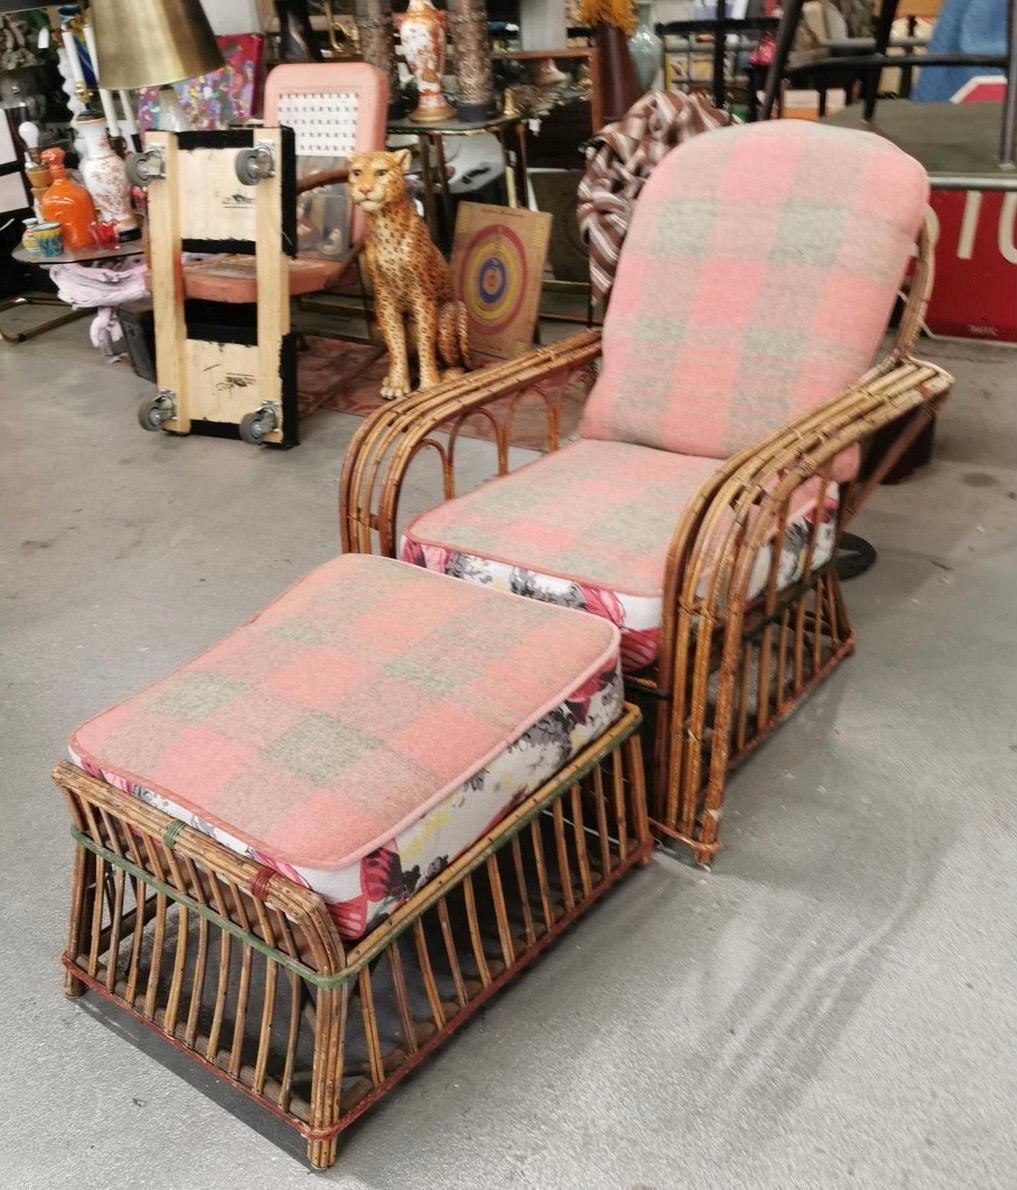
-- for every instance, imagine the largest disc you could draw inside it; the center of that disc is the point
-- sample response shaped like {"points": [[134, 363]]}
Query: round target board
{"points": [[493, 277]]}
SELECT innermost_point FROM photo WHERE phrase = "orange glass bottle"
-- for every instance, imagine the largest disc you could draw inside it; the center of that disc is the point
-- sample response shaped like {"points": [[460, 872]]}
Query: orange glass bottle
{"points": [[67, 203]]}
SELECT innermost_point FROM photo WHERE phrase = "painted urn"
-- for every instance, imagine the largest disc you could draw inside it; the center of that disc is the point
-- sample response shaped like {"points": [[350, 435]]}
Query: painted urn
{"points": [[422, 36]]}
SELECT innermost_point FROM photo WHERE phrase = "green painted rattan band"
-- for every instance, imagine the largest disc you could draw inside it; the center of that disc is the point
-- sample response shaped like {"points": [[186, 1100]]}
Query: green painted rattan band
{"points": [[169, 835], [326, 982], [189, 903]]}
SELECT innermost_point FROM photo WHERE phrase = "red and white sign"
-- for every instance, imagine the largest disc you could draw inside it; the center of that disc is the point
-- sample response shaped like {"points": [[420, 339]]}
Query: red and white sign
{"points": [[983, 88], [975, 295]]}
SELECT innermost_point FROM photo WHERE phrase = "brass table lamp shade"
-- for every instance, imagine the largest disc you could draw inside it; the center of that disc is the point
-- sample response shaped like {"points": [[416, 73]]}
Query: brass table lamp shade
{"points": [[147, 43]]}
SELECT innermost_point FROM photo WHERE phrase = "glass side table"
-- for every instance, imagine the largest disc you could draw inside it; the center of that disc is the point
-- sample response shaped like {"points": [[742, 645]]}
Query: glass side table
{"points": [[434, 172], [90, 255]]}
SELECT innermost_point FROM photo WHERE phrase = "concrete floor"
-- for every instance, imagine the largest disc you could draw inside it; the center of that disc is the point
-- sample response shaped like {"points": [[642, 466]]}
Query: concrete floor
{"points": [[832, 1007]]}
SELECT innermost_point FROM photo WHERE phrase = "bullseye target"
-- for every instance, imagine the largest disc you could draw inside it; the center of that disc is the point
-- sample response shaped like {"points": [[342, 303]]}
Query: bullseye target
{"points": [[497, 272], [493, 277]]}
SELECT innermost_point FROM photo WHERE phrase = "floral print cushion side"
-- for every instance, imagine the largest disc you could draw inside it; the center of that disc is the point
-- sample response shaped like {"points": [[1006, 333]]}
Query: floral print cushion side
{"points": [[364, 893], [637, 617]]}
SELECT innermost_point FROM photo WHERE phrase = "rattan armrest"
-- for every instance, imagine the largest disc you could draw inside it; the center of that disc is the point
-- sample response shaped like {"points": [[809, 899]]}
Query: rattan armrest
{"points": [[387, 442], [753, 487], [714, 550]]}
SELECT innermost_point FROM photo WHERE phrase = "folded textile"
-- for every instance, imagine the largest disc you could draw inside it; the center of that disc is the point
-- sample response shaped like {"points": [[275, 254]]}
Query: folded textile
{"points": [[101, 285], [106, 287], [105, 330], [620, 158]]}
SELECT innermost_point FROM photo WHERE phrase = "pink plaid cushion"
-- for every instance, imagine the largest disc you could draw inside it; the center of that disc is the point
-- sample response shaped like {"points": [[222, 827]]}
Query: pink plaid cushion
{"points": [[755, 283], [366, 693], [598, 512], [599, 516]]}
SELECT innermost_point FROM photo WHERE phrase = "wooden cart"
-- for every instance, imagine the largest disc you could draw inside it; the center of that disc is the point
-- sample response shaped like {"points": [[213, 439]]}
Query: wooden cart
{"points": [[226, 367]]}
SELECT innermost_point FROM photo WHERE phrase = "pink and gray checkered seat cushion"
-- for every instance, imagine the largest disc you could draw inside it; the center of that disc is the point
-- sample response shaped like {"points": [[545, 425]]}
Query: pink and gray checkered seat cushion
{"points": [[365, 728], [589, 527], [755, 282]]}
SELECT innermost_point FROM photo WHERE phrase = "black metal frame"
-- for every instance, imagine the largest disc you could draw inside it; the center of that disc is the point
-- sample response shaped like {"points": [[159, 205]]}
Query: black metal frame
{"points": [[870, 66], [719, 26]]}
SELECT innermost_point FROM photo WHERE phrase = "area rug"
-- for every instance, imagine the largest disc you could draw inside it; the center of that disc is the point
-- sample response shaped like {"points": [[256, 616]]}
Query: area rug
{"points": [[339, 375]]}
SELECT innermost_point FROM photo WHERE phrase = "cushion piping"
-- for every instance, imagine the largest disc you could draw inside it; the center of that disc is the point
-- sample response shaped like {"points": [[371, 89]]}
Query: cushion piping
{"points": [[351, 857], [585, 581]]}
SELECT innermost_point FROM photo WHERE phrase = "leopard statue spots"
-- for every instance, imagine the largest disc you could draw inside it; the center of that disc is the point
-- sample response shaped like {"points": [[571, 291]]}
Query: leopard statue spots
{"points": [[410, 277]]}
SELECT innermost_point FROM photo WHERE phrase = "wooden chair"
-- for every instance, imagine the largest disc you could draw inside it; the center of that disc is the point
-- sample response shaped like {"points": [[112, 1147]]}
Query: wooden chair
{"points": [[719, 457], [335, 109]]}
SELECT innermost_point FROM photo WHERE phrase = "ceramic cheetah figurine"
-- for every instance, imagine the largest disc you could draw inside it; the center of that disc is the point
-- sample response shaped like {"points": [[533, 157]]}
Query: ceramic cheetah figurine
{"points": [[409, 275]]}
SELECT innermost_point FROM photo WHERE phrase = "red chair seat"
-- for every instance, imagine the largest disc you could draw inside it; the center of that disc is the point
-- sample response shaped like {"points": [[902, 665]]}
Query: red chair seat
{"points": [[234, 278]]}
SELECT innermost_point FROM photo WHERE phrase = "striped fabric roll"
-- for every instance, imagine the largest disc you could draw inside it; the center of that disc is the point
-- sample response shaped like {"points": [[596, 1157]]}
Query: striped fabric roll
{"points": [[620, 159]]}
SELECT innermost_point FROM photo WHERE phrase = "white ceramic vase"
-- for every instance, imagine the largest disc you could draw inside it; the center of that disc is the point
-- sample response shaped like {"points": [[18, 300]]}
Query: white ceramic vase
{"points": [[105, 178]]}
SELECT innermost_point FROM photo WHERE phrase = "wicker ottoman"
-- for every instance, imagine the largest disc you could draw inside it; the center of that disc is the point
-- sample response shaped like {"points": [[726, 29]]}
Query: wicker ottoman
{"points": [[311, 854]]}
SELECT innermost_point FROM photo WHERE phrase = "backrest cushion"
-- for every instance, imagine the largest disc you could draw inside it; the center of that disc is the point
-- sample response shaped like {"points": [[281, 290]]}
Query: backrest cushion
{"points": [[755, 282]]}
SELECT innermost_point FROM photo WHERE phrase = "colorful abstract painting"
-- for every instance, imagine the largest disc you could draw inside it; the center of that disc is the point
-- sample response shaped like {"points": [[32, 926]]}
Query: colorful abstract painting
{"points": [[217, 100]]}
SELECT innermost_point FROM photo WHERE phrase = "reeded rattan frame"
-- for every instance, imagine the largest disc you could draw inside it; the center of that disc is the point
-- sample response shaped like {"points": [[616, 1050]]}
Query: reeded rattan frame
{"points": [[725, 676], [244, 971]]}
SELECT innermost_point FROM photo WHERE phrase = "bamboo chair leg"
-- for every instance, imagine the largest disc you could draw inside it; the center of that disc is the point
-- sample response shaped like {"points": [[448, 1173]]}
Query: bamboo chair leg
{"points": [[84, 874], [326, 1076], [634, 749], [322, 1154]]}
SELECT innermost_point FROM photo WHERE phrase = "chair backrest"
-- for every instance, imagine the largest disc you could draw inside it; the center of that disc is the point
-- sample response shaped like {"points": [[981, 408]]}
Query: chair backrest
{"points": [[335, 109], [756, 281]]}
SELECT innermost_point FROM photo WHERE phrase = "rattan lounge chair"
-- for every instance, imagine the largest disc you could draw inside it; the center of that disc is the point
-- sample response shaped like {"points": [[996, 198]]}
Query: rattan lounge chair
{"points": [[724, 447]]}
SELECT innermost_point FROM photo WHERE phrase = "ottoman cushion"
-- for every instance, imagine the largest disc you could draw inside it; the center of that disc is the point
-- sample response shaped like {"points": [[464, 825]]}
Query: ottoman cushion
{"points": [[365, 728]]}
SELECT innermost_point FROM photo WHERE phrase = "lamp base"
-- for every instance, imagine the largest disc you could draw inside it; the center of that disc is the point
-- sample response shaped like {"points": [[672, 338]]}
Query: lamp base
{"points": [[172, 117], [475, 113]]}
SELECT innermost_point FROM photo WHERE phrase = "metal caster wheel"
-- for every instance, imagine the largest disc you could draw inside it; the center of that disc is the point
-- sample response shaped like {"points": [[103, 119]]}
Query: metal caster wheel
{"points": [[252, 165], [153, 411], [255, 427], [142, 168]]}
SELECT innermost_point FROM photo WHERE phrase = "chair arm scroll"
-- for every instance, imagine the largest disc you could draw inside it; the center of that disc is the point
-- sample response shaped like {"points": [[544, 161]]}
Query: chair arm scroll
{"points": [[735, 510], [386, 443], [716, 545]]}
